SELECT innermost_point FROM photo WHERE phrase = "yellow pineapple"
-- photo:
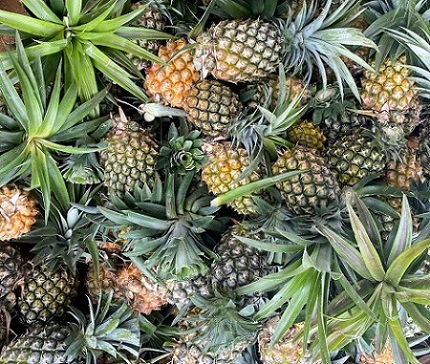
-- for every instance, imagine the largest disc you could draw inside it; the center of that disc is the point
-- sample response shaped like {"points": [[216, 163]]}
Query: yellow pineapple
{"points": [[17, 212], [391, 94], [222, 171], [307, 134], [171, 84]]}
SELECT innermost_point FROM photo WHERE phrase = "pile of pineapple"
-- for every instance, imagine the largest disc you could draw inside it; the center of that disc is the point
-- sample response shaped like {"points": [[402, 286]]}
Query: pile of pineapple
{"points": [[225, 181]]}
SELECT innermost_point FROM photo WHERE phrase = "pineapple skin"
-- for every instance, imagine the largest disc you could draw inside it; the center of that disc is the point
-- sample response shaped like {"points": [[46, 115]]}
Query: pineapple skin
{"points": [[239, 50], [315, 188], [129, 158], [171, 84], [211, 107], [46, 295], [355, 156], [18, 212], [221, 171], [40, 344]]}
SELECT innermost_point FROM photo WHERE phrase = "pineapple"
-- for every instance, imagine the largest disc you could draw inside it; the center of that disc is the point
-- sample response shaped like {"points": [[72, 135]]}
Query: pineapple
{"points": [[213, 331], [46, 295], [129, 158], [171, 84], [355, 156], [129, 285], [251, 49], [223, 171], [109, 330], [211, 107], [306, 134], [18, 212], [315, 188], [237, 264], [154, 17], [391, 94]]}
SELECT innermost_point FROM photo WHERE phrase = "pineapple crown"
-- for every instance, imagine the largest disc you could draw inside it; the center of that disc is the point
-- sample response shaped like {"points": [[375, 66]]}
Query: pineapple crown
{"points": [[67, 234], [387, 17], [183, 153], [315, 40], [219, 325], [167, 225], [385, 276], [108, 329], [91, 36], [43, 122]]}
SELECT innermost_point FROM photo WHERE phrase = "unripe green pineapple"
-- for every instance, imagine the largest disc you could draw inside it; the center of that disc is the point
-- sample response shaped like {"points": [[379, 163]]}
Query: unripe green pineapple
{"points": [[40, 344], [238, 264], [222, 170], [129, 158], [306, 134], [356, 156], [46, 295], [211, 107], [315, 188], [181, 291]]}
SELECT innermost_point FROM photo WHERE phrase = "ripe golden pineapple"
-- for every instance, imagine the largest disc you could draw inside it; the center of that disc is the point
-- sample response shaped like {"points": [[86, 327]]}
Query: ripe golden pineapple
{"points": [[211, 107], [17, 212], [171, 84], [129, 158], [307, 134], [311, 190], [222, 170], [391, 94]]}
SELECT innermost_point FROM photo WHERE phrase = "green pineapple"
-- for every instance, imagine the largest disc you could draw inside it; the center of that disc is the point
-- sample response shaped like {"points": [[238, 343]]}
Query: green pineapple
{"points": [[315, 188], [129, 159], [237, 264], [211, 107], [10, 272], [51, 278]]}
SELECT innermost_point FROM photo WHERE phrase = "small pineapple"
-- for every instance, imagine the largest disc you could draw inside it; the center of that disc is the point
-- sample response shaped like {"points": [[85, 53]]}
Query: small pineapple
{"points": [[18, 212], [129, 158], [222, 172], [171, 84], [211, 107], [355, 156], [315, 188], [306, 134]]}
